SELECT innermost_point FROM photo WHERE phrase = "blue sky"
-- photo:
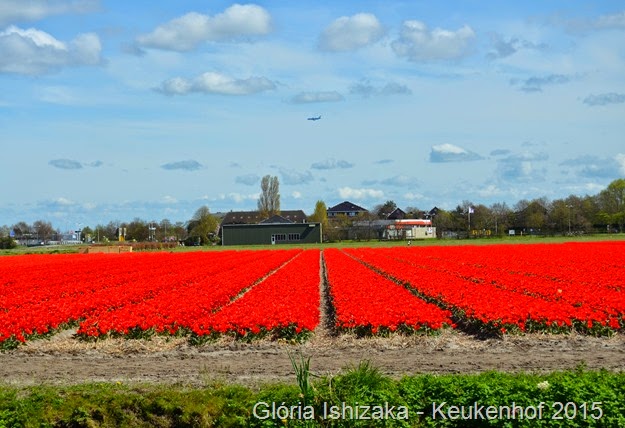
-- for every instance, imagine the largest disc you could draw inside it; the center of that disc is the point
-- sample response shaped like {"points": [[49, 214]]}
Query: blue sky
{"points": [[111, 110]]}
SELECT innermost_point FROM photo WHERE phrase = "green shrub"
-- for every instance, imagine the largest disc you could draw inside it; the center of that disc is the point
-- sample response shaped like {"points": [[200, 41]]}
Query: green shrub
{"points": [[7, 243]]}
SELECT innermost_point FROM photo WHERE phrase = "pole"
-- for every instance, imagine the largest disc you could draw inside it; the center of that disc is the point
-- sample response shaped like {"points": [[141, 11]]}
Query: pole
{"points": [[569, 207]]}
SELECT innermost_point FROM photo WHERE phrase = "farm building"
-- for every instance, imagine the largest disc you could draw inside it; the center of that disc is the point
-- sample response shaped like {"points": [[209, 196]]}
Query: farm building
{"points": [[345, 208], [247, 228], [393, 229], [410, 229]]}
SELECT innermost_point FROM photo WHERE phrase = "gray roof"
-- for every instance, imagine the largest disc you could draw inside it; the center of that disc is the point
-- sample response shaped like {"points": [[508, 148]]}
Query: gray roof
{"points": [[345, 207], [276, 219], [254, 217]]}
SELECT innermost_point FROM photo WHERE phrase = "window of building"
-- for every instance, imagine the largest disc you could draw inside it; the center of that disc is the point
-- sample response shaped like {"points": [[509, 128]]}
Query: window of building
{"points": [[278, 237], [294, 237]]}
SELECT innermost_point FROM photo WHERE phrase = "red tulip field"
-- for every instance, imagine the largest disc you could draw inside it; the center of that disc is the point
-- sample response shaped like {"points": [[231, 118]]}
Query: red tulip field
{"points": [[495, 289]]}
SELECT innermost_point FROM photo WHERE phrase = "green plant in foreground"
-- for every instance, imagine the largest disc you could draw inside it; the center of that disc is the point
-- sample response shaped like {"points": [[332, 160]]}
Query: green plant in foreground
{"points": [[302, 374]]}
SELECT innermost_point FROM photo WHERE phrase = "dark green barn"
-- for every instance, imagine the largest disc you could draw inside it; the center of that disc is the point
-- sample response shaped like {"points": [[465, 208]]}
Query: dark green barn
{"points": [[249, 228], [270, 233]]}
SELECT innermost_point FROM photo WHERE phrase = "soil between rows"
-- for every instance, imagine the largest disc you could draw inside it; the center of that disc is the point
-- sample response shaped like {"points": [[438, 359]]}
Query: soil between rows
{"points": [[64, 360]]}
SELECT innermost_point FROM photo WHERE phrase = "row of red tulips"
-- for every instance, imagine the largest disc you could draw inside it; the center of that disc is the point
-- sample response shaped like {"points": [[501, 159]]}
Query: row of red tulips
{"points": [[367, 302], [109, 291], [276, 292], [286, 304], [179, 303], [497, 293]]}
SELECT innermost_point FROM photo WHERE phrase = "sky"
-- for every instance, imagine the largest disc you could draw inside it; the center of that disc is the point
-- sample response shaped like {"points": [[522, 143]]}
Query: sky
{"points": [[112, 110]]}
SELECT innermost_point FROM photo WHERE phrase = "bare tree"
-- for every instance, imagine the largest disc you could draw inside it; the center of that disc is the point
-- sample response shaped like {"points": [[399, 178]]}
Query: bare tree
{"points": [[269, 200], [22, 230], [501, 215]]}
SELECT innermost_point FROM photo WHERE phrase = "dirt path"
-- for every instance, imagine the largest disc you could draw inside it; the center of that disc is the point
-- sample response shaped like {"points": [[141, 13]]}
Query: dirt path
{"points": [[64, 360]]}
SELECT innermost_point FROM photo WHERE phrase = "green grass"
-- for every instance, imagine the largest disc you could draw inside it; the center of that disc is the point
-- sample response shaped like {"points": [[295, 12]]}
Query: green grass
{"points": [[68, 249], [591, 393]]}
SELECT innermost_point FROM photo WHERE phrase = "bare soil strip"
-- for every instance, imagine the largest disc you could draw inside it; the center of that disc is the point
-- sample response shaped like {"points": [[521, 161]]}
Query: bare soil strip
{"points": [[325, 329], [65, 360]]}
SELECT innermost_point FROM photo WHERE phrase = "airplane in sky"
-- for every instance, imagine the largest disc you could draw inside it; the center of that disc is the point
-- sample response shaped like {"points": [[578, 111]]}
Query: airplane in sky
{"points": [[314, 118]]}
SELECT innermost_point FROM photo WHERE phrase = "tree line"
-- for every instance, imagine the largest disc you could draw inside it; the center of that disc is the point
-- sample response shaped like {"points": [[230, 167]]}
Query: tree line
{"points": [[603, 212], [199, 230], [573, 215]]}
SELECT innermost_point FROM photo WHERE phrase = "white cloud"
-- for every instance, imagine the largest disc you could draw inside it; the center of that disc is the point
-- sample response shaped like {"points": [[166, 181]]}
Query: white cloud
{"points": [[240, 197], [451, 153], [293, 177], [65, 164], [296, 195], [502, 48], [332, 164], [349, 33], [247, 179], [31, 10], [167, 199], [61, 201], [176, 86], [522, 167], [185, 165], [417, 43], [86, 48], [365, 89], [35, 52], [350, 193], [411, 196], [400, 181], [216, 83], [616, 20], [189, 31], [590, 166], [536, 84], [604, 22], [384, 161], [219, 83], [489, 191], [316, 97], [604, 99]]}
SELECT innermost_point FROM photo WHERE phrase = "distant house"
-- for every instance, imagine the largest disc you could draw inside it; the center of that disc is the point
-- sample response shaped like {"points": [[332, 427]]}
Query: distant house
{"points": [[410, 229], [396, 214], [433, 212], [249, 228], [346, 208]]}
